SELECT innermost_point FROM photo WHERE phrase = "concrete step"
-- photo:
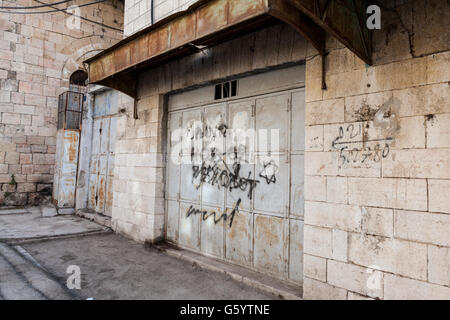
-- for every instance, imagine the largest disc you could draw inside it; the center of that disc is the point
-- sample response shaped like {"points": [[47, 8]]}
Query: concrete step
{"points": [[263, 282], [8, 211], [25, 279]]}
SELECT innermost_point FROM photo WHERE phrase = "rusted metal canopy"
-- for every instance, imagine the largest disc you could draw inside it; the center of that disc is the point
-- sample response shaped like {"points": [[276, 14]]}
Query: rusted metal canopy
{"points": [[344, 19], [209, 22]]}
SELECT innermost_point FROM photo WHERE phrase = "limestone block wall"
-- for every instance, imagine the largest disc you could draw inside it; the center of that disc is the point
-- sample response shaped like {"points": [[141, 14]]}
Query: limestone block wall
{"points": [[138, 12], [38, 53], [138, 201], [377, 211]]}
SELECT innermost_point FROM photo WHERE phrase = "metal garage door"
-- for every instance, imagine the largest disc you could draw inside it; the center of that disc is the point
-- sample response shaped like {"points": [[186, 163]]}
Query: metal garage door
{"points": [[234, 185]]}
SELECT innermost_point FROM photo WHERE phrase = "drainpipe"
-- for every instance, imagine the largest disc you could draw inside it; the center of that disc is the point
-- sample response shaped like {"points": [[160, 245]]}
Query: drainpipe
{"points": [[151, 8]]}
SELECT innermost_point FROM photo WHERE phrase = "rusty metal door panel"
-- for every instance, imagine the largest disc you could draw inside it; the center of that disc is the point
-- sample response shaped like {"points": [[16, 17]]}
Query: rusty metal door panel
{"points": [[189, 228], [243, 191], [66, 192], [173, 215], [112, 135], [297, 185], [70, 159], [109, 195], [238, 246], [215, 128], [101, 182], [298, 121], [68, 168], [96, 136], [272, 123], [241, 137], [212, 231], [174, 155], [101, 192], [213, 189], [269, 244], [59, 150], [111, 160], [104, 139], [214, 134], [272, 192], [190, 187], [173, 177], [296, 250], [92, 200], [192, 139]]}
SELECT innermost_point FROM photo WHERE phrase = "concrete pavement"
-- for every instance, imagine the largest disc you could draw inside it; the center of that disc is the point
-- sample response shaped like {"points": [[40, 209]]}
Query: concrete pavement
{"points": [[36, 254]]}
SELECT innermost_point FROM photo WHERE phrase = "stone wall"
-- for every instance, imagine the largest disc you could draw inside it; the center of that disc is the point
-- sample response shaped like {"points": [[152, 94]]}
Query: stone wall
{"points": [[138, 12], [38, 53], [377, 213]]}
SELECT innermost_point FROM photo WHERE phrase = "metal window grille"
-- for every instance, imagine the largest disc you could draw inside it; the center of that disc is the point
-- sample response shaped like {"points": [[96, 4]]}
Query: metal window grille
{"points": [[70, 108]]}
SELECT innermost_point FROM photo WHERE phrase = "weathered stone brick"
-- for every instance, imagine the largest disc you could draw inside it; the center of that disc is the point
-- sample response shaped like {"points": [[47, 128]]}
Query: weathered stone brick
{"points": [[27, 169], [410, 194], [314, 138], [26, 187], [438, 67], [438, 191], [24, 109], [365, 281], [43, 158], [26, 158], [363, 107], [10, 118], [322, 112], [39, 148], [392, 255], [33, 99], [337, 191], [315, 188], [420, 163], [438, 131], [423, 100], [399, 288], [23, 148], [43, 168], [338, 216], [439, 265], [12, 158], [378, 221], [340, 245], [317, 290], [315, 267], [410, 134], [15, 169], [422, 226], [6, 187], [35, 140], [318, 241], [3, 168], [321, 163]]}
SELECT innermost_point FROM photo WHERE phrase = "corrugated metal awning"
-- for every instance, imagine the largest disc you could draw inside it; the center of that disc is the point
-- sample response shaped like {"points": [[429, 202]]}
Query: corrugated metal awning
{"points": [[209, 22]]}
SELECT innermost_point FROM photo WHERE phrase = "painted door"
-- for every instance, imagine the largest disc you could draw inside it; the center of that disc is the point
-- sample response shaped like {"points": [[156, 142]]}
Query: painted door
{"points": [[102, 165], [234, 183]]}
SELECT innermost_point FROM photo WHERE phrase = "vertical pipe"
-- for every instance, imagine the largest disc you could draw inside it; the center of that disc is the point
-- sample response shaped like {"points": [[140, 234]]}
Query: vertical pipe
{"points": [[152, 4]]}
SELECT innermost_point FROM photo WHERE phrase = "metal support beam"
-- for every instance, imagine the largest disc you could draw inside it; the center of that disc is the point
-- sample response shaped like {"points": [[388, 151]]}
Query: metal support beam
{"points": [[344, 20]]}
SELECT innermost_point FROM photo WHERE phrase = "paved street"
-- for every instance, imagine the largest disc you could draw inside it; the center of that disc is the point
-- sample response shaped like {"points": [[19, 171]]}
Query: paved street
{"points": [[111, 266]]}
